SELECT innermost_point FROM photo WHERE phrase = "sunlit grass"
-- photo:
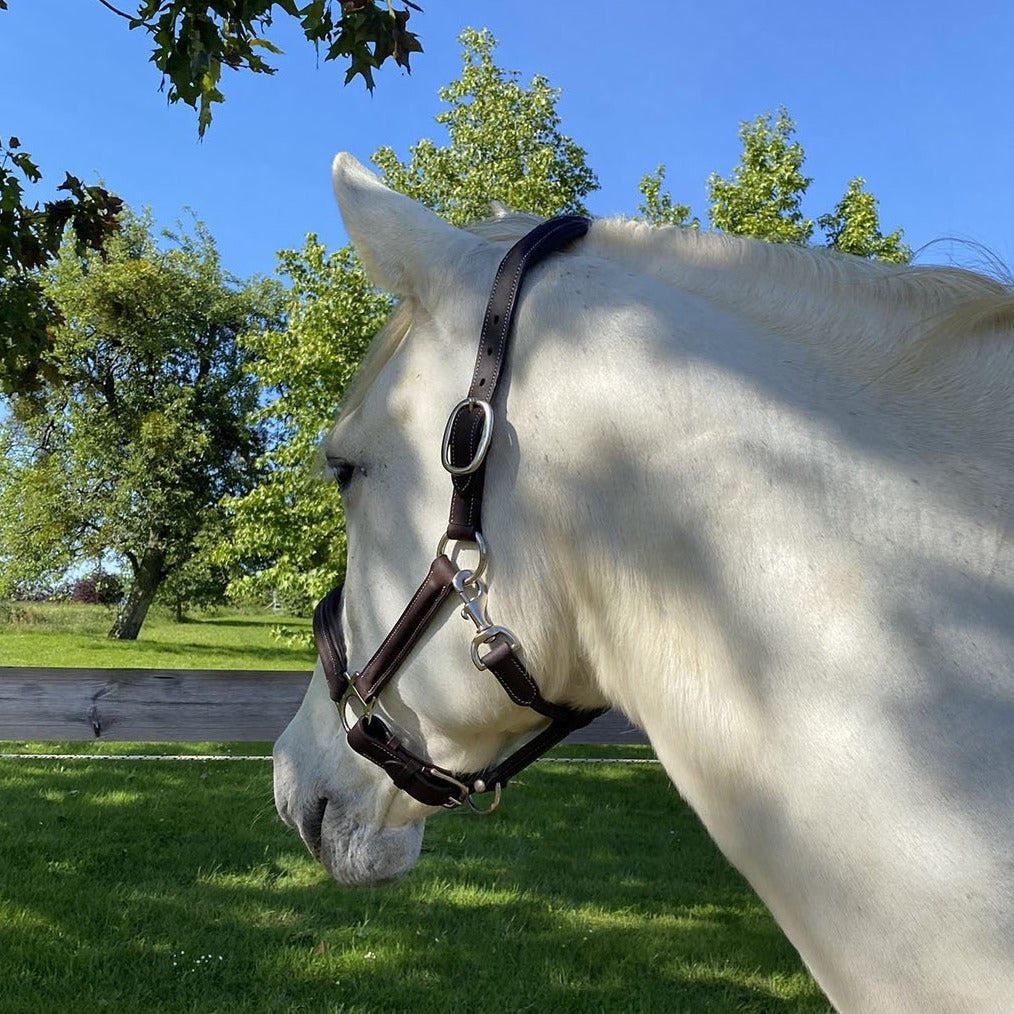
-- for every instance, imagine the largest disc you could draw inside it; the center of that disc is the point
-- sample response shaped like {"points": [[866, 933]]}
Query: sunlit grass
{"points": [[173, 887], [62, 634]]}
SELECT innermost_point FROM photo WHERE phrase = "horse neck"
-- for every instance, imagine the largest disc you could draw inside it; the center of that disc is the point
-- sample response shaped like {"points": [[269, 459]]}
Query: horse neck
{"points": [[731, 460]]}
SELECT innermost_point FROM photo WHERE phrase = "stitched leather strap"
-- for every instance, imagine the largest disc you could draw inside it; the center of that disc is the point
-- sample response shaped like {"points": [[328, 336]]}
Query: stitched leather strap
{"points": [[411, 625], [494, 341]]}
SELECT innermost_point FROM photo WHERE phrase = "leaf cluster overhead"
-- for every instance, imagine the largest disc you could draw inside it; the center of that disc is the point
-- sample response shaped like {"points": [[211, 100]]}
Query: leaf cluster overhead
{"points": [[192, 41], [30, 235]]}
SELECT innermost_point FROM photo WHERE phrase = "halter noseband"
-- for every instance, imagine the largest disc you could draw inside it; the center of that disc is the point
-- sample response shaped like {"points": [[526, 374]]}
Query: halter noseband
{"points": [[494, 648]]}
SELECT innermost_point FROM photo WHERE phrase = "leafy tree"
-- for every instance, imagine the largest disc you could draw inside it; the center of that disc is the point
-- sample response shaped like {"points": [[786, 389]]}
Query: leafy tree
{"points": [[505, 143], [764, 195], [658, 207], [288, 530], [191, 43], [854, 227], [30, 236], [202, 580], [130, 455]]}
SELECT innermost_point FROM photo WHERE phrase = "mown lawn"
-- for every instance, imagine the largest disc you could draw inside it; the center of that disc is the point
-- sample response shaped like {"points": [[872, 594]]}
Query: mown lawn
{"points": [[61, 634], [172, 887]]}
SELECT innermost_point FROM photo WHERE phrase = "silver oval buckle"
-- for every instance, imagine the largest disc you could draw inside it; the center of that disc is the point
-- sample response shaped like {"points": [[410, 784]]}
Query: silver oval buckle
{"points": [[484, 438]]}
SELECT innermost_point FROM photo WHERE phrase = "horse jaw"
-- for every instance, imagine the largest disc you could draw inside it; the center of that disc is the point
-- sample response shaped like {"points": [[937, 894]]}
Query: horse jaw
{"points": [[359, 834]]}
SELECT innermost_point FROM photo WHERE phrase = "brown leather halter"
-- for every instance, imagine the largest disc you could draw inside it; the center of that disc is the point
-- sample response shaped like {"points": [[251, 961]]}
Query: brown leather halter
{"points": [[494, 648]]}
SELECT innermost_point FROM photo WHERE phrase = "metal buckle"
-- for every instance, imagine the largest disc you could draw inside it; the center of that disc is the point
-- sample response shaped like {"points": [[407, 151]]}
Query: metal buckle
{"points": [[451, 780], [484, 438], [368, 706]]}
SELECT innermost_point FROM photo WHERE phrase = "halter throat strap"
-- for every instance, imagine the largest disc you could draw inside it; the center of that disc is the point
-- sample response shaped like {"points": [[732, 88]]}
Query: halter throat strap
{"points": [[466, 443]]}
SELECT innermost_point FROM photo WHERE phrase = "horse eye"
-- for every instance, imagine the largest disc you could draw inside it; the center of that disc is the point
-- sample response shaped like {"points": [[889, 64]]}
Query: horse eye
{"points": [[343, 471]]}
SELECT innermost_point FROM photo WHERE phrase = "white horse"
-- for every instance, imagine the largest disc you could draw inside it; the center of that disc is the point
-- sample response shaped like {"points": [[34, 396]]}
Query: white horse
{"points": [[758, 497]]}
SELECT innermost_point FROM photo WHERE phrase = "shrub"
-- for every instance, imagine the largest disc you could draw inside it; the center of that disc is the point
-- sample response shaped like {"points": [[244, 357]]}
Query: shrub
{"points": [[97, 589]]}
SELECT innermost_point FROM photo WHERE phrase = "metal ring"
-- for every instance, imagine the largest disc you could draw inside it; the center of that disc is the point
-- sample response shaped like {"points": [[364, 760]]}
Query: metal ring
{"points": [[480, 543], [350, 691], [492, 806]]}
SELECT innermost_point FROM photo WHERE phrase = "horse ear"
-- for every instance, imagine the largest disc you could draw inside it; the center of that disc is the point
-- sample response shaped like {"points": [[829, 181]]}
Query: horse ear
{"points": [[398, 240]]}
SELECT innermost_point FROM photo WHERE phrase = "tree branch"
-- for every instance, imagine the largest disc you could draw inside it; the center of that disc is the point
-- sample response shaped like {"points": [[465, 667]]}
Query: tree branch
{"points": [[116, 10]]}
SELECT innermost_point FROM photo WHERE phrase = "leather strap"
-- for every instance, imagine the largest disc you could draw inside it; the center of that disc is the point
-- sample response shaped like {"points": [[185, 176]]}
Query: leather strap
{"points": [[494, 342], [411, 625]]}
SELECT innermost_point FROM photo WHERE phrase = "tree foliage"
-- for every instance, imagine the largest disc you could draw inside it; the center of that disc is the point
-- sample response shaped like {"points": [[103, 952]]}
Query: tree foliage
{"points": [[854, 227], [763, 198], [504, 144], [764, 195], [30, 236], [131, 453], [658, 206], [288, 531], [193, 41]]}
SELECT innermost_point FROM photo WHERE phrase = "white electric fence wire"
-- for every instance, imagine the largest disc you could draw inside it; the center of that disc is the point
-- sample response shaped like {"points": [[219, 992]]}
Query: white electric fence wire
{"points": [[267, 757]]}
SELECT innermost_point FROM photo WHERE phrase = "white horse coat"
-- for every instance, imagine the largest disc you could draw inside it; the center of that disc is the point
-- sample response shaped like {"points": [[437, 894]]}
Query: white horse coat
{"points": [[758, 497]]}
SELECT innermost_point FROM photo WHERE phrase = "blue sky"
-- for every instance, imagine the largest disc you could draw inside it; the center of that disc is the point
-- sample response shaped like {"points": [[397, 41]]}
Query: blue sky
{"points": [[916, 97]]}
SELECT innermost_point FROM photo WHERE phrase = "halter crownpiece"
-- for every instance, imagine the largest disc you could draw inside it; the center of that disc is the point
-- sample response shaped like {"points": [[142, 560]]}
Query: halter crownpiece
{"points": [[467, 439]]}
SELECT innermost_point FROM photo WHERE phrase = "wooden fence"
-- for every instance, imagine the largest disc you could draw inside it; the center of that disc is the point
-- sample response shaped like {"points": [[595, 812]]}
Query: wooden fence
{"points": [[178, 705]]}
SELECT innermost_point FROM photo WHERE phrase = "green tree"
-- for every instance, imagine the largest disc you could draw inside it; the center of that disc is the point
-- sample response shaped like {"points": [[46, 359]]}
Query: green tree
{"points": [[288, 530], [192, 42], [764, 195], [854, 227], [131, 454], [202, 580], [658, 207], [504, 144]]}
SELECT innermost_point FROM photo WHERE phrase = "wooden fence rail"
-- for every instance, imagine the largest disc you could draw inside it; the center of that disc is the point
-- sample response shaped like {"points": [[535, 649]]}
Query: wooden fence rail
{"points": [[178, 705]]}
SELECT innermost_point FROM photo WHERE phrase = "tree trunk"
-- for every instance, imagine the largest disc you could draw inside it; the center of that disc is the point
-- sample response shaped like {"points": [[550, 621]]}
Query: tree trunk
{"points": [[149, 576]]}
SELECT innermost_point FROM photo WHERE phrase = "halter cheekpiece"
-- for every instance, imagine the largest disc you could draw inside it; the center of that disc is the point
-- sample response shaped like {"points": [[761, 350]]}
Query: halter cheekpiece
{"points": [[467, 439]]}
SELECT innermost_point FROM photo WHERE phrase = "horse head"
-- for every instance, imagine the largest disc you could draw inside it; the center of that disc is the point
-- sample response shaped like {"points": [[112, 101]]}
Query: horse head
{"points": [[385, 453]]}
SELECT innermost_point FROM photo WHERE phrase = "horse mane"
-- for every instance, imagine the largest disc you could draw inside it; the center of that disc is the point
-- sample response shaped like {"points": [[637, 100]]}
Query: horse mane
{"points": [[944, 300]]}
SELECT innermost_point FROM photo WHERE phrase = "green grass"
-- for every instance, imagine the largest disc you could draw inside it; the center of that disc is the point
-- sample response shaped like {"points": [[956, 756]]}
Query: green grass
{"points": [[60, 634], [168, 887]]}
